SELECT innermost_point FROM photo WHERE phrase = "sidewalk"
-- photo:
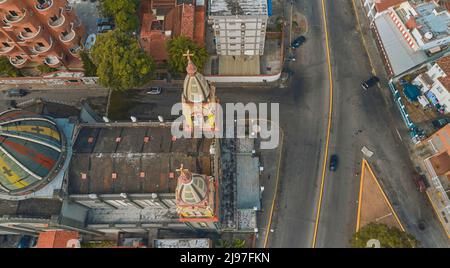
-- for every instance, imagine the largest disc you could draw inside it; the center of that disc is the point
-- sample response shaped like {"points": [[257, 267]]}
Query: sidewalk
{"points": [[370, 45]]}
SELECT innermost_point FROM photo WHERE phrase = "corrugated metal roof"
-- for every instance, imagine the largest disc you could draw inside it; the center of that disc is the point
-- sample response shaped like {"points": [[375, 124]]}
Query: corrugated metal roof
{"points": [[401, 56]]}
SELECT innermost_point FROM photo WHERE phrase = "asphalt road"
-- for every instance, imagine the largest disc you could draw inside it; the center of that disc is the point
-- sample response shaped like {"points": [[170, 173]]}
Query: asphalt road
{"points": [[363, 118]]}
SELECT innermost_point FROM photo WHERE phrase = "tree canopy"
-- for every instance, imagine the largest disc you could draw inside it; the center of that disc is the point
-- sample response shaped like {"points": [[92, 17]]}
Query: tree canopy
{"points": [[124, 13], [89, 67], [236, 243], [6, 69], [389, 237], [121, 64], [178, 46]]}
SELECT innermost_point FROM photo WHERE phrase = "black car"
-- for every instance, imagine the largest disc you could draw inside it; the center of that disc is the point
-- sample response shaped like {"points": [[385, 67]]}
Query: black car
{"points": [[333, 162], [16, 92], [372, 81], [298, 41]]}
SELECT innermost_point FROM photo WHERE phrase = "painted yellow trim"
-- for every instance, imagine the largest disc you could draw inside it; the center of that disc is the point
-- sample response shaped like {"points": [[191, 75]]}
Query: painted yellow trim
{"points": [[14, 179], [330, 111], [385, 197], [361, 182], [29, 129], [437, 214]]}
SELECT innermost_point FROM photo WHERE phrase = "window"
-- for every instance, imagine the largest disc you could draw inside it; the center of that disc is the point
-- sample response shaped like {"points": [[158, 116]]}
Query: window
{"points": [[54, 18], [40, 44], [203, 225], [5, 44], [28, 30], [13, 13]]}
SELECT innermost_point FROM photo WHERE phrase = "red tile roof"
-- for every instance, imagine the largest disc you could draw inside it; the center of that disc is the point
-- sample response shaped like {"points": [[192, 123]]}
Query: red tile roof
{"points": [[182, 20], [55, 239], [200, 25], [382, 5], [187, 20], [162, 3], [444, 64]]}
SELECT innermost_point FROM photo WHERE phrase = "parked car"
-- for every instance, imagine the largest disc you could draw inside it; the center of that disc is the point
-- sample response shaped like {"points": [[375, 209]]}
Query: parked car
{"points": [[372, 81], [155, 91], [333, 162], [422, 225], [420, 182], [104, 21], [27, 241], [438, 124], [16, 92], [105, 28], [298, 42]]}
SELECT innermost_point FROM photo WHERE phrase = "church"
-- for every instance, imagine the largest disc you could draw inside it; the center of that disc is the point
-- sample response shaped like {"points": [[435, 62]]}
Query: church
{"points": [[63, 168]]}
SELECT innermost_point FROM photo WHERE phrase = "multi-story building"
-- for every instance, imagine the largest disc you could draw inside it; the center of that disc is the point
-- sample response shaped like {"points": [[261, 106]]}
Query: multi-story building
{"points": [[435, 153], [40, 32], [239, 26], [435, 83]]}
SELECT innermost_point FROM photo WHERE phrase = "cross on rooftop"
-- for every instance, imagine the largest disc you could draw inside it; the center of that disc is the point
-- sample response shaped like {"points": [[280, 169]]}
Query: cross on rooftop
{"points": [[185, 175], [188, 55], [7, 171], [38, 130]]}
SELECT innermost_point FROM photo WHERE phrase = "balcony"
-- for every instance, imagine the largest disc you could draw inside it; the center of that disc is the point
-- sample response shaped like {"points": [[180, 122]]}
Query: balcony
{"points": [[17, 62], [75, 51], [24, 35], [59, 22], [6, 50], [44, 5], [68, 37], [52, 61], [37, 49], [11, 19]]}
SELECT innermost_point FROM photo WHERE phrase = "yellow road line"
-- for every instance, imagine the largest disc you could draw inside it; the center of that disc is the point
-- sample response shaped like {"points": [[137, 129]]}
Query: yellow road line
{"points": [[385, 197], [330, 78], [437, 214], [269, 224], [362, 37], [361, 181]]}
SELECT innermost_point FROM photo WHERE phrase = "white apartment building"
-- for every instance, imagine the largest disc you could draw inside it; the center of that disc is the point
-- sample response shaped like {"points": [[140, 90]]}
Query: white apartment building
{"points": [[239, 26], [435, 83]]}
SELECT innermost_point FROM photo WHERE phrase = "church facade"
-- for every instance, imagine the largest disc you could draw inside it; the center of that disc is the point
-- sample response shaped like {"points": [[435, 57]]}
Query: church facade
{"points": [[77, 173]]}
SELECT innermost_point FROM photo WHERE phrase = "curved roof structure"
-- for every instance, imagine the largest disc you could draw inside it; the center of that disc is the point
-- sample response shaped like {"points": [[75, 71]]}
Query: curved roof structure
{"points": [[192, 188], [31, 151], [195, 88]]}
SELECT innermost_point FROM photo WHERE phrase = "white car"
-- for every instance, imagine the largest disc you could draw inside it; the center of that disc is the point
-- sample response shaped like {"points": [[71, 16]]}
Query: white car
{"points": [[154, 91]]}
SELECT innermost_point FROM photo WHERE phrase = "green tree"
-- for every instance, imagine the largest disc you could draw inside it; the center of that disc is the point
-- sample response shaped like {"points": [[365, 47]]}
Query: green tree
{"points": [[124, 13], [121, 64], [178, 46], [237, 243], [6, 69], [45, 69], [89, 67], [389, 237]]}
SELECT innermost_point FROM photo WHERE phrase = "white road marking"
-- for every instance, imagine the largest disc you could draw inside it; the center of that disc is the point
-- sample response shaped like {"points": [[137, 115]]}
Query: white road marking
{"points": [[399, 136]]}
